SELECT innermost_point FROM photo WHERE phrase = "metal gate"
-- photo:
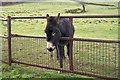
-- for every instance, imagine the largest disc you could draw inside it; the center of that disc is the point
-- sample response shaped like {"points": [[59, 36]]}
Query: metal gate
{"points": [[92, 57]]}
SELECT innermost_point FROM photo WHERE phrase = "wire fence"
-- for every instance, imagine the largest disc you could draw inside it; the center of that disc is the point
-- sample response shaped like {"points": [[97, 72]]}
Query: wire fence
{"points": [[4, 49], [96, 57], [89, 57]]}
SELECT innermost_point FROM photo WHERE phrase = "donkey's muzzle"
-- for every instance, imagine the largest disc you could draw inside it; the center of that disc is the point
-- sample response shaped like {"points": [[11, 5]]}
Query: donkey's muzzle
{"points": [[50, 49], [50, 46]]}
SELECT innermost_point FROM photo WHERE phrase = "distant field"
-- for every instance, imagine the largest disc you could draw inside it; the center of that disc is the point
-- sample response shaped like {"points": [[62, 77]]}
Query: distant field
{"points": [[87, 28]]}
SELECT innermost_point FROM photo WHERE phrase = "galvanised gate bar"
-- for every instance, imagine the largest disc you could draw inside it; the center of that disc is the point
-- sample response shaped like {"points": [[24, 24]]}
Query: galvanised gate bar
{"points": [[92, 57]]}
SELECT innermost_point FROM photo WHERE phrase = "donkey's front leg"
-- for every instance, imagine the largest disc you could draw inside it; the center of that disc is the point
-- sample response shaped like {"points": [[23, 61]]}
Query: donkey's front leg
{"points": [[57, 53], [58, 49], [61, 54]]}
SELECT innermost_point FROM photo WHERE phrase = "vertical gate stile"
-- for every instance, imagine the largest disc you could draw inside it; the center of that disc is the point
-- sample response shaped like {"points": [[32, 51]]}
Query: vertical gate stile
{"points": [[71, 47], [118, 44], [9, 40], [119, 60]]}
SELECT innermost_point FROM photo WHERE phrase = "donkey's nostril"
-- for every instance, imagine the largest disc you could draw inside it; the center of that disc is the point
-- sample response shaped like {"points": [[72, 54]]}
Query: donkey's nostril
{"points": [[50, 49]]}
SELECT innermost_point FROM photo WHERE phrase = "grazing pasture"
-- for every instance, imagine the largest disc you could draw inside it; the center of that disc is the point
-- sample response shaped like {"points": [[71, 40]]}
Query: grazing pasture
{"points": [[86, 28]]}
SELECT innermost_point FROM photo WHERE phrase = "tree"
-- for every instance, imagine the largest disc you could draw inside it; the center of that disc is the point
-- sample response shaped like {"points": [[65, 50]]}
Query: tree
{"points": [[82, 2], [83, 5]]}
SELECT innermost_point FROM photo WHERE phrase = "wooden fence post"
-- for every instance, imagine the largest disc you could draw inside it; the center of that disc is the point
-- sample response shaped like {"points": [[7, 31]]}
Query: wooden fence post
{"points": [[9, 40]]}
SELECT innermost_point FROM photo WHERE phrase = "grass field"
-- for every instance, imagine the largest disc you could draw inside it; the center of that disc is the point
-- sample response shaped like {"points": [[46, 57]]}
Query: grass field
{"points": [[86, 28], [19, 72]]}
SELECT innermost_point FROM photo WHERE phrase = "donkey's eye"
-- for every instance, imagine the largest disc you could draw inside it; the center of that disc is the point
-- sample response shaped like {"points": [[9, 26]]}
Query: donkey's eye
{"points": [[53, 34]]}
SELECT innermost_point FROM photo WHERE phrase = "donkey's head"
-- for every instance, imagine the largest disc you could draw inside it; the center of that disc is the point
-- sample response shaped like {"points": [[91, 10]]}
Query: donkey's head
{"points": [[52, 31]]}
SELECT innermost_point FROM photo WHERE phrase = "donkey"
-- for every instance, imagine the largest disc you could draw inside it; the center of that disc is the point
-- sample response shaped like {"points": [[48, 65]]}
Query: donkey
{"points": [[55, 29]]}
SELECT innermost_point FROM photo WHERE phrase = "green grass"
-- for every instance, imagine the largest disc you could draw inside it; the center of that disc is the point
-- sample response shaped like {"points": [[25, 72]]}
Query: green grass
{"points": [[20, 72], [31, 50]]}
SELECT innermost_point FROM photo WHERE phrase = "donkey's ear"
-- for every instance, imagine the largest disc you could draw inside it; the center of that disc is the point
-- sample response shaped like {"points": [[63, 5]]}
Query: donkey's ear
{"points": [[58, 16], [47, 15]]}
